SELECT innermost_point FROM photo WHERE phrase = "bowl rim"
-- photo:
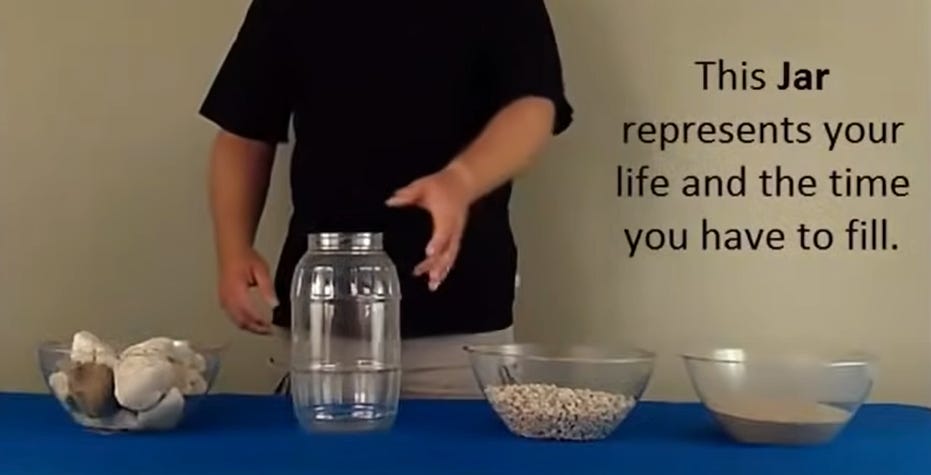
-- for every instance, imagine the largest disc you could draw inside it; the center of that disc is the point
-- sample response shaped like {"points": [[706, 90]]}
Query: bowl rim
{"points": [[630, 354], [64, 347], [854, 358]]}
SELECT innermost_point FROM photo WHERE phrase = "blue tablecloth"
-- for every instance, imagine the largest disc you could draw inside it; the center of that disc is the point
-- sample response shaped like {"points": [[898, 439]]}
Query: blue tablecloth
{"points": [[257, 435]]}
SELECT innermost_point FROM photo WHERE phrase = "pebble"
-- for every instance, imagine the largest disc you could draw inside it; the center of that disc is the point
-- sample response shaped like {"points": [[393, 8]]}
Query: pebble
{"points": [[545, 411]]}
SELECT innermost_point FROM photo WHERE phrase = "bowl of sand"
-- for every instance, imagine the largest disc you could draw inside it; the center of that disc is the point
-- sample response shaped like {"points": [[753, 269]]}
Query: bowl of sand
{"points": [[780, 398]]}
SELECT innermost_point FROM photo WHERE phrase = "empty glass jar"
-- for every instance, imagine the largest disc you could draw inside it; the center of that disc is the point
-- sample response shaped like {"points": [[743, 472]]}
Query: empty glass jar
{"points": [[345, 334]]}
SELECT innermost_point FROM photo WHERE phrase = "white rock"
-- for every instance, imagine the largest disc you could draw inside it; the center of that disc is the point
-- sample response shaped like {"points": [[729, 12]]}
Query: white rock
{"points": [[58, 381], [89, 422], [125, 420], [183, 354], [200, 363], [189, 359], [121, 421], [87, 348], [194, 383], [166, 414], [178, 351], [189, 380], [161, 347], [142, 381]]}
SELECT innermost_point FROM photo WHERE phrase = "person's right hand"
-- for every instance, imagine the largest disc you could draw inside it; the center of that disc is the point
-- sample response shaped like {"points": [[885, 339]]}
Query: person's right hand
{"points": [[238, 275]]}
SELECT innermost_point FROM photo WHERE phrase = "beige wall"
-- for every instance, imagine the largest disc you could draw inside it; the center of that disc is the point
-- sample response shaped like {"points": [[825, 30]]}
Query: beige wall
{"points": [[103, 223]]}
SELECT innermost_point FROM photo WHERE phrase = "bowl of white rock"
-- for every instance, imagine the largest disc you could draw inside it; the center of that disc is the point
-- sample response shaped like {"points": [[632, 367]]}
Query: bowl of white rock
{"points": [[565, 393], [149, 386]]}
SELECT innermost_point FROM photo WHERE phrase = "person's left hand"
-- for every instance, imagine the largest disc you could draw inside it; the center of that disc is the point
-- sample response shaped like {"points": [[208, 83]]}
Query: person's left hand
{"points": [[446, 195]]}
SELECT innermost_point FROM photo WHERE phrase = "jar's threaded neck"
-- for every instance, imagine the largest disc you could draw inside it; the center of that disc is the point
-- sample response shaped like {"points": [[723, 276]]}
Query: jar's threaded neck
{"points": [[345, 242]]}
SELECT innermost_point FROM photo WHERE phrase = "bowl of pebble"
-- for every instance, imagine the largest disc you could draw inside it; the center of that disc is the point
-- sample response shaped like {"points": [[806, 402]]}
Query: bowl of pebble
{"points": [[788, 397], [149, 386], [567, 393]]}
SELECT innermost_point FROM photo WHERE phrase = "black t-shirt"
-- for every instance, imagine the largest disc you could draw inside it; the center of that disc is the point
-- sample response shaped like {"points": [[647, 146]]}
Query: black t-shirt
{"points": [[382, 93]]}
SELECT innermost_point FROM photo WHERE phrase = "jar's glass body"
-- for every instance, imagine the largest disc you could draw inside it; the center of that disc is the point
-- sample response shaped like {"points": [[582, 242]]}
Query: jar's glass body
{"points": [[345, 334]]}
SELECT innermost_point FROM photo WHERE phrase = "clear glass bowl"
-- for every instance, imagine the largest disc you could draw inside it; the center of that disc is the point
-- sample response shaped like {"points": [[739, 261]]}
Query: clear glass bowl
{"points": [[88, 391], [579, 393], [780, 398]]}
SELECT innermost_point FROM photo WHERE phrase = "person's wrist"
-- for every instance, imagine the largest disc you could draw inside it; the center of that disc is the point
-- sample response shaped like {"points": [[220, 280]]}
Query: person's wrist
{"points": [[465, 177], [230, 253]]}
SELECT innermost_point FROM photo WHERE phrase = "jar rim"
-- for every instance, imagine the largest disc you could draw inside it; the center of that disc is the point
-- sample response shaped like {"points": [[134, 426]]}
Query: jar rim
{"points": [[345, 241]]}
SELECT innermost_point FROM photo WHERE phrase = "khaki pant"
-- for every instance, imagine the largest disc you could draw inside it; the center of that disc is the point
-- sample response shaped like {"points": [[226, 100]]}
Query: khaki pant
{"points": [[436, 367]]}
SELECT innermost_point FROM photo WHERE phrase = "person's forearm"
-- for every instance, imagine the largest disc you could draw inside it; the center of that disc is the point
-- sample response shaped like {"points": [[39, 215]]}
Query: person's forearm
{"points": [[240, 170], [507, 146]]}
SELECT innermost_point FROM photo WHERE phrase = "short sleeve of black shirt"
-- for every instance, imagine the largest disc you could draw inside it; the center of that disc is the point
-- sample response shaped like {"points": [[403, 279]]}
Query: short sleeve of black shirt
{"points": [[522, 49], [250, 96]]}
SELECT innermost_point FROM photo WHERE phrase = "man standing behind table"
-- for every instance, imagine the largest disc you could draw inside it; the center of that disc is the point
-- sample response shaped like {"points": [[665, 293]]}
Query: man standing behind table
{"points": [[411, 118]]}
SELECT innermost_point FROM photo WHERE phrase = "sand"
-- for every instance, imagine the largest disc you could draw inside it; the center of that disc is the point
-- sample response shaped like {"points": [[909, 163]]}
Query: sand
{"points": [[757, 421]]}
